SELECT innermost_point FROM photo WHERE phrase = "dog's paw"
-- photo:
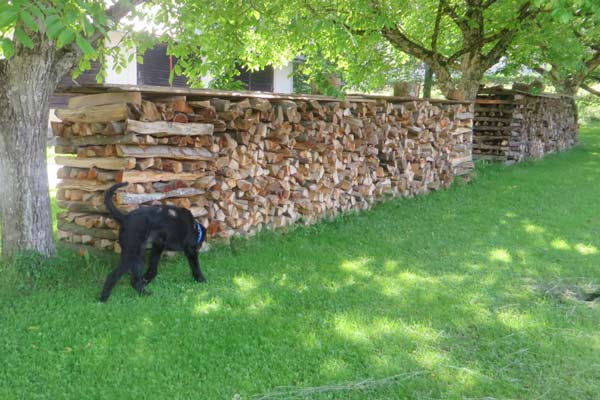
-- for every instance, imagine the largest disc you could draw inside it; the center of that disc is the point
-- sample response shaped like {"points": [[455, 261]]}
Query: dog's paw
{"points": [[200, 279]]}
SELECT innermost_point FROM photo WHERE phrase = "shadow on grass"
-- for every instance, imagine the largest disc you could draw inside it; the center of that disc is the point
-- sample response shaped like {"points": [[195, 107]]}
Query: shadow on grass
{"points": [[446, 286]]}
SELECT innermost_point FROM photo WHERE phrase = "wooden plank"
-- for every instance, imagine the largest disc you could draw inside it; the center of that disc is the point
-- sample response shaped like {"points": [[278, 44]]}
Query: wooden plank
{"points": [[495, 101], [104, 140], [84, 184], [107, 113], [134, 198], [86, 207], [112, 163], [178, 153], [153, 176], [94, 232], [492, 128], [456, 161], [166, 128], [103, 99]]}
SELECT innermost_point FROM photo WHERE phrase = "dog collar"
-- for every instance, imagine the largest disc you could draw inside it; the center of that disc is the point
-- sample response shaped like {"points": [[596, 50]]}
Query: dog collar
{"points": [[200, 232]]}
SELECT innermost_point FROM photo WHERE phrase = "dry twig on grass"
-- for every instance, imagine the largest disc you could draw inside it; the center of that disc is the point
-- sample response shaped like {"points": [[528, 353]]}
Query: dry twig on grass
{"points": [[291, 392]]}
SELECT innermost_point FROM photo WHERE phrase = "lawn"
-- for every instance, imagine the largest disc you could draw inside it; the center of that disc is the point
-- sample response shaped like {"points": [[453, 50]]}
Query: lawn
{"points": [[475, 292]]}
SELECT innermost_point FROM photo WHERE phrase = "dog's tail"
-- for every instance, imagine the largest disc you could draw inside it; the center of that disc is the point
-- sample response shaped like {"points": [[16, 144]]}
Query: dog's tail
{"points": [[110, 206]]}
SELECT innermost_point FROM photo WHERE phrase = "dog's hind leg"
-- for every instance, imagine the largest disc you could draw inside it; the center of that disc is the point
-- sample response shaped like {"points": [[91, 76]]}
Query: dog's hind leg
{"points": [[192, 256], [112, 279], [157, 250]]}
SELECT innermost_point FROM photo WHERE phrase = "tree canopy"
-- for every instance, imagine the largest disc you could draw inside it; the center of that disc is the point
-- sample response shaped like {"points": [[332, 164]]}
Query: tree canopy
{"points": [[366, 41], [563, 46]]}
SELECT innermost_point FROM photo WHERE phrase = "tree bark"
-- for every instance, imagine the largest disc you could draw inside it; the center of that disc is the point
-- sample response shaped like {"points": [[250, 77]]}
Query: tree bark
{"points": [[27, 81], [427, 82]]}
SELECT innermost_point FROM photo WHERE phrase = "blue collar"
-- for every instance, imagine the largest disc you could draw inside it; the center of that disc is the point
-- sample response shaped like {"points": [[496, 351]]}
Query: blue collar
{"points": [[200, 232]]}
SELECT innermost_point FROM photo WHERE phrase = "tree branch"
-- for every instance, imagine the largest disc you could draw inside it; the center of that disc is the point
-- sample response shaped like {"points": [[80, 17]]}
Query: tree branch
{"points": [[115, 13], [594, 77], [590, 89], [458, 20], [69, 56], [507, 35], [436, 26], [402, 42], [593, 62]]}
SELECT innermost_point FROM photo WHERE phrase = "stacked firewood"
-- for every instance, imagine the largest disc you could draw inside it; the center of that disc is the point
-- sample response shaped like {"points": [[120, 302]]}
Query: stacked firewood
{"points": [[245, 163], [511, 126]]}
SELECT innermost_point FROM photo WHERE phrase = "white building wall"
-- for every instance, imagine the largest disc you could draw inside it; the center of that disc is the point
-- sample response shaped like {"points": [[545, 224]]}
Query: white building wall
{"points": [[282, 79], [128, 75]]}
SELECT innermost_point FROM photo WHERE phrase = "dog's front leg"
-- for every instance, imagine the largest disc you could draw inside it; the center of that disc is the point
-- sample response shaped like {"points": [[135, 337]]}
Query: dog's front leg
{"points": [[192, 256]]}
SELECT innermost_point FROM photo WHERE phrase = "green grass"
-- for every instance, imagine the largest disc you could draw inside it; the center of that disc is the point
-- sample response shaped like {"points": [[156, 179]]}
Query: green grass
{"points": [[467, 293]]}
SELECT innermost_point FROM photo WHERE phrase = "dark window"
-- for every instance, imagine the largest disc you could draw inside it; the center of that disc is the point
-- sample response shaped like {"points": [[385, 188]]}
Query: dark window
{"points": [[156, 68], [261, 80]]}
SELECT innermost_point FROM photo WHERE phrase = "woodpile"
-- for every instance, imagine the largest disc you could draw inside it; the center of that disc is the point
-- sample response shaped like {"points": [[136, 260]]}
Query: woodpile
{"points": [[512, 126], [243, 163]]}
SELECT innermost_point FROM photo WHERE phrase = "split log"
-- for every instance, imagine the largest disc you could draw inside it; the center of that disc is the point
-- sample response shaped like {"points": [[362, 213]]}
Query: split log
{"points": [[171, 165], [153, 176], [93, 232], [112, 163], [164, 128], [83, 184], [90, 114], [105, 140], [178, 153], [131, 198]]}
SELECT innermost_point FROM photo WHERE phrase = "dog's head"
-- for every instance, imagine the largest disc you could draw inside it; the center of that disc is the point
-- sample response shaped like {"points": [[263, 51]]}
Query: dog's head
{"points": [[200, 234]]}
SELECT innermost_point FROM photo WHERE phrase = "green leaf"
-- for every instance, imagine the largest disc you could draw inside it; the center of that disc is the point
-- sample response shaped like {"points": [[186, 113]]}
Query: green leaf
{"points": [[84, 65], [85, 46], [28, 20], [8, 48], [88, 27], [51, 20], [23, 38], [71, 16], [8, 18], [35, 10], [54, 29], [66, 37]]}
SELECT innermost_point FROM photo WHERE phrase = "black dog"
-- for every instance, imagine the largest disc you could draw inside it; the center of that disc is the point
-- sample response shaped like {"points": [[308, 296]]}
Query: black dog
{"points": [[165, 227]]}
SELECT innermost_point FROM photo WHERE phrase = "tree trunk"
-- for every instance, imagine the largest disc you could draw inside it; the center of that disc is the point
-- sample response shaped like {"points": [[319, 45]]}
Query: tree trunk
{"points": [[27, 81], [427, 82], [466, 87]]}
